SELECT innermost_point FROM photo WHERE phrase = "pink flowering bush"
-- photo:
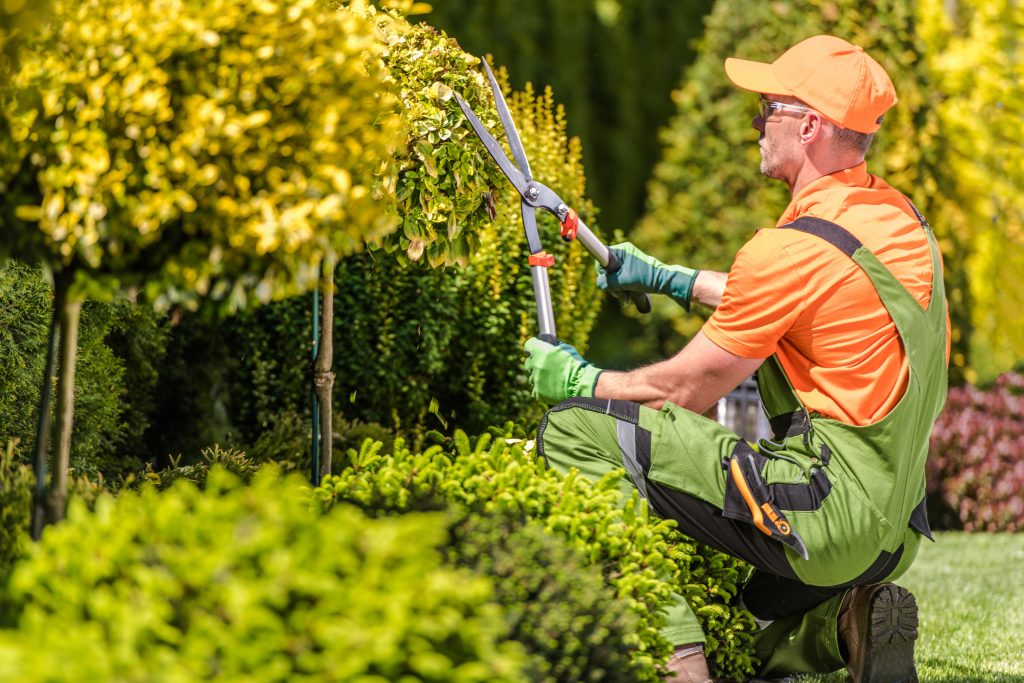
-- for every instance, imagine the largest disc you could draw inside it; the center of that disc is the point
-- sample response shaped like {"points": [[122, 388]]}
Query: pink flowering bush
{"points": [[976, 463]]}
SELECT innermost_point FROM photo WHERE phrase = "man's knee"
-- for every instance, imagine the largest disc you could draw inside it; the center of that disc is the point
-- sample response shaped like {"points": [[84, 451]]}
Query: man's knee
{"points": [[572, 434]]}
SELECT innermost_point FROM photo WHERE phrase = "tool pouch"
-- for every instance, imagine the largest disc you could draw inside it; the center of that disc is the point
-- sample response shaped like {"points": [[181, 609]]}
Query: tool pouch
{"points": [[748, 499]]}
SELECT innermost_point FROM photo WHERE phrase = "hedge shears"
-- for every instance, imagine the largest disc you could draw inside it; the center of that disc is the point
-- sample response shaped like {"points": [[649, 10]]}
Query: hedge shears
{"points": [[536, 195]]}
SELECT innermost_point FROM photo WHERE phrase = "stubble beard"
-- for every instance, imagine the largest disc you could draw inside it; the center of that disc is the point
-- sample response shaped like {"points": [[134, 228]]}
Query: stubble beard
{"points": [[769, 160]]}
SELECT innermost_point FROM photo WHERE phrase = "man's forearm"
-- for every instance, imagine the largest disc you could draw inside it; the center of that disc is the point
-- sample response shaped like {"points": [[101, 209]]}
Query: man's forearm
{"points": [[640, 386], [694, 379], [708, 288]]}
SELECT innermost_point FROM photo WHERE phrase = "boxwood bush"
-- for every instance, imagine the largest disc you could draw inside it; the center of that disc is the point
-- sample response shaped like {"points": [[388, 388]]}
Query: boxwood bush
{"points": [[246, 582], [556, 604], [975, 471], [641, 557]]}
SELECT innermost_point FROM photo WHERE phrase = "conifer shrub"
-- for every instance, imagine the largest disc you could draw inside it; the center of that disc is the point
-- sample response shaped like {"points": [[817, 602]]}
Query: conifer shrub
{"points": [[120, 350], [975, 470], [642, 558], [16, 481], [241, 581], [230, 459]]}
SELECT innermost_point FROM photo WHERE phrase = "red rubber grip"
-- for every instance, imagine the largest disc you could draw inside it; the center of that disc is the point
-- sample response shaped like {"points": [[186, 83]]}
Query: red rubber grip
{"points": [[541, 258]]}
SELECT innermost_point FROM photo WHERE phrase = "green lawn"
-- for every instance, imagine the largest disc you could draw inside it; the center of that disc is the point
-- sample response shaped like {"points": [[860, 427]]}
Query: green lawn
{"points": [[970, 593]]}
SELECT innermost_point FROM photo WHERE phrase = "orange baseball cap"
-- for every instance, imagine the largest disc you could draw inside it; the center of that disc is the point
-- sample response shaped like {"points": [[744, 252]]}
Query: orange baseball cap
{"points": [[832, 76]]}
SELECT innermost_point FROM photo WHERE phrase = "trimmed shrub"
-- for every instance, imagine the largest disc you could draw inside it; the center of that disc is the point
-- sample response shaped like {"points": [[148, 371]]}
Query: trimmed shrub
{"points": [[196, 149], [975, 469], [556, 604], [237, 582], [641, 557]]}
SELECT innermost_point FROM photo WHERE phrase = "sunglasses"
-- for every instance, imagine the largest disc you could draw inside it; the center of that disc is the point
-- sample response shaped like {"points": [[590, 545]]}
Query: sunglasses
{"points": [[766, 107]]}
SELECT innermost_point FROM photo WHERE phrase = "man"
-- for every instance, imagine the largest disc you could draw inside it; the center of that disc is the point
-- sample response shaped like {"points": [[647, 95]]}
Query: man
{"points": [[841, 311]]}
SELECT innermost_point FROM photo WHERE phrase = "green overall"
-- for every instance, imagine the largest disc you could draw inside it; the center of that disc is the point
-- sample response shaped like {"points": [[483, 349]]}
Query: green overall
{"points": [[855, 495]]}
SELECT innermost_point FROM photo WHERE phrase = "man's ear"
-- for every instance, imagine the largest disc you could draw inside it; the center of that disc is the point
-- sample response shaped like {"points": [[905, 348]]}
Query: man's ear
{"points": [[811, 128]]}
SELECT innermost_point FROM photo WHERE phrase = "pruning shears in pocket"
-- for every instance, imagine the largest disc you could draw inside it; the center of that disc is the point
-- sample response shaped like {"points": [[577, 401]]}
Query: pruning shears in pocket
{"points": [[536, 195]]}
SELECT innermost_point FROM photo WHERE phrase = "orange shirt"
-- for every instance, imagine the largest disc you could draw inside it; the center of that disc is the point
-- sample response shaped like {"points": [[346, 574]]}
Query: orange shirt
{"points": [[796, 295]]}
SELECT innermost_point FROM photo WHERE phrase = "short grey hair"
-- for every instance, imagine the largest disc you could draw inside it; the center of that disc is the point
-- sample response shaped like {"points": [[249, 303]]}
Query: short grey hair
{"points": [[845, 138], [852, 140]]}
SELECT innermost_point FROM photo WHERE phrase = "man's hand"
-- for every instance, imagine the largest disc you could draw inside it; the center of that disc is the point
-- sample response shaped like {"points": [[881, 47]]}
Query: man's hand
{"points": [[559, 372], [643, 273]]}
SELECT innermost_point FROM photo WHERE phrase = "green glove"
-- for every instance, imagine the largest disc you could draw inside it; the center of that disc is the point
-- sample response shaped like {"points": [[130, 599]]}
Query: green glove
{"points": [[559, 372], [643, 273]]}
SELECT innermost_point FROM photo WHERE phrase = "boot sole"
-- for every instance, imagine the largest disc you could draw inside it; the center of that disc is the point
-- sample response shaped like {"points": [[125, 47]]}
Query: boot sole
{"points": [[892, 632]]}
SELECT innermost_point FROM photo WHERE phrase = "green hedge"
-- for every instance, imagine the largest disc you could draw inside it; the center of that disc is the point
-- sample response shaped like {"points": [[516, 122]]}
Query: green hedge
{"points": [[247, 583], [556, 604], [641, 557]]}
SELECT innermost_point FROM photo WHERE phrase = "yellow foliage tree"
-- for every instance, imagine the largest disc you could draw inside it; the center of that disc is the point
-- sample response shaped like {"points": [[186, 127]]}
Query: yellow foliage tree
{"points": [[976, 57], [189, 149]]}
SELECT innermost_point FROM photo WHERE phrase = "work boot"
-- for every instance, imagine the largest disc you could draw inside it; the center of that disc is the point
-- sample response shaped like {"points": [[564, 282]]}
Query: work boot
{"points": [[878, 626], [688, 665]]}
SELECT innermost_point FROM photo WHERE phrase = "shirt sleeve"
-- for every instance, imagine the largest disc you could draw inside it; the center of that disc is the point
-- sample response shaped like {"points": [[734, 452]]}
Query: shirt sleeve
{"points": [[764, 296]]}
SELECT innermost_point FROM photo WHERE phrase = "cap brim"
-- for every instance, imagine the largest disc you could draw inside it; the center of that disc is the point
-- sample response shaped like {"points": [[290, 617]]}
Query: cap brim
{"points": [[754, 76]]}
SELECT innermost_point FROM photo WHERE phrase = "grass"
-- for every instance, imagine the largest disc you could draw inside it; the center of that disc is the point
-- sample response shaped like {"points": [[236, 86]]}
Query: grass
{"points": [[970, 596]]}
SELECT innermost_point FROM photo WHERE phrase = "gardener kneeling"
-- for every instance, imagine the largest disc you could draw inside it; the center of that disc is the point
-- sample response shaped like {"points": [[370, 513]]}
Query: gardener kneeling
{"points": [[840, 310]]}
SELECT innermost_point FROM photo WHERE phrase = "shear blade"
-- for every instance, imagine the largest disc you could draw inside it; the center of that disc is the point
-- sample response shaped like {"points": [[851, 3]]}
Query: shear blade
{"points": [[514, 143], [494, 148]]}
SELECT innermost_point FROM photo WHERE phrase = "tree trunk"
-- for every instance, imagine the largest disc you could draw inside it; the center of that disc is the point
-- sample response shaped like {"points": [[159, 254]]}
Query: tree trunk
{"points": [[43, 426], [323, 376], [69, 313]]}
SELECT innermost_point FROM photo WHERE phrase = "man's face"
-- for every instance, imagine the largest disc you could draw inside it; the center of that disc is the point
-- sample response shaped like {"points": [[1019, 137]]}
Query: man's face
{"points": [[781, 152]]}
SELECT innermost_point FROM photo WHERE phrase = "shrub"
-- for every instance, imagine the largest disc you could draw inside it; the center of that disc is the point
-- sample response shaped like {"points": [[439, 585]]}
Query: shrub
{"points": [[975, 468], [234, 461], [17, 482], [641, 557], [449, 342], [555, 603], [287, 440], [195, 149], [237, 582]]}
